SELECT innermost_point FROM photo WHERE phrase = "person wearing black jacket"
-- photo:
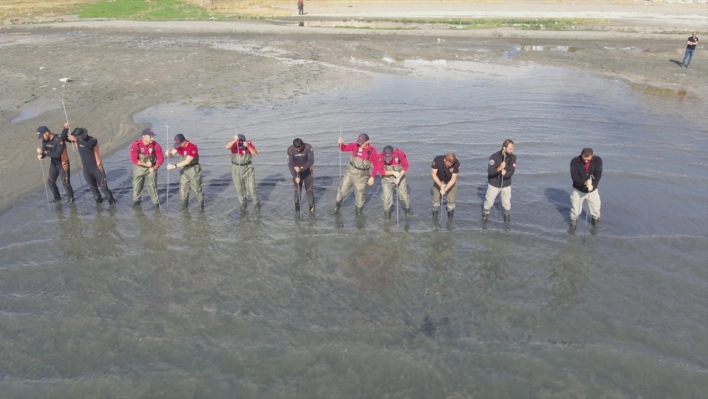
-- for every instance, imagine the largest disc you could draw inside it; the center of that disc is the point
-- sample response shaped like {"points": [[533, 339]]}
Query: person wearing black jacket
{"points": [[586, 172], [301, 157], [92, 165], [54, 147], [502, 165]]}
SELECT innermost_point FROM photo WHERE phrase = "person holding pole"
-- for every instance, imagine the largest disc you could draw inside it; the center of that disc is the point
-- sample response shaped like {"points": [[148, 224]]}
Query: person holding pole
{"points": [[444, 173], [93, 167], [54, 147], [146, 156], [190, 171], [301, 158], [393, 165], [501, 166], [586, 172], [362, 168], [242, 171]]}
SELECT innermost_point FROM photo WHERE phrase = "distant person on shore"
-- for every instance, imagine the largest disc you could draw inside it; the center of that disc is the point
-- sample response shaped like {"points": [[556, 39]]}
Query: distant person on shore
{"points": [[54, 147], [444, 173], [300, 7], [190, 171], [242, 171], [301, 157], [585, 171], [690, 48], [146, 156], [90, 156]]}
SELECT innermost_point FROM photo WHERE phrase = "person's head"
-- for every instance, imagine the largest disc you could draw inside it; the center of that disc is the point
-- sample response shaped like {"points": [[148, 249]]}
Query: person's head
{"points": [[299, 145], [241, 142], [586, 155], [80, 133], [388, 154], [450, 159], [44, 133], [508, 147], [180, 141], [363, 140], [148, 136], [693, 34]]}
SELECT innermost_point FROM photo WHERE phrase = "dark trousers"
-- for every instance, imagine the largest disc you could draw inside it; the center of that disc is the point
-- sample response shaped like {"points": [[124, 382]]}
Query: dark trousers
{"points": [[96, 178], [56, 169], [308, 180], [300, 8]]}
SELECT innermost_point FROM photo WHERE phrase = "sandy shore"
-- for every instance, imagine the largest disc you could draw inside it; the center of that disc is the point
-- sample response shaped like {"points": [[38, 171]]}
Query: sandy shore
{"points": [[121, 67]]}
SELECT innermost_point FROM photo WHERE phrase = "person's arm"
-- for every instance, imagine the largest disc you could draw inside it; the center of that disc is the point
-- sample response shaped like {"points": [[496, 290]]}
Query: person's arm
{"points": [[351, 147], [404, 161], [691, 41], [42, 152], [134, 154], [252, 148], [309, 158], [597, 173], [510, 166], [96, 152], [291, 162], [91, 143], [160, 157], [54, 153], [231, 143], [374, 159], [187, 160], [451, 183], [492, 167], [65, 133], [576, 173], [434, 175]]}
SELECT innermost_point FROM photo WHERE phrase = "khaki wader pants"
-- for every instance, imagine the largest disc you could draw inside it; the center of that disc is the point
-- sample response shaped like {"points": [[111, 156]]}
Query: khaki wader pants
{"points": [[449, 194], [576, 202], [387, 185], [244, 177], [142, 175], [492, 193], [190, 177], [354, 175]]}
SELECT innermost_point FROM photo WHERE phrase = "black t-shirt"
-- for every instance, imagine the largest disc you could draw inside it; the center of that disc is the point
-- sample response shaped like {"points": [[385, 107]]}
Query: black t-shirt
{"points": [[444, 173], [692, 46]]}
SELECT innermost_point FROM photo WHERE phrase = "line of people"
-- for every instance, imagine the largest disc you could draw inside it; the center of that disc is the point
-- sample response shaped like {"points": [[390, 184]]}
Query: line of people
{"points": [[365, 163]]}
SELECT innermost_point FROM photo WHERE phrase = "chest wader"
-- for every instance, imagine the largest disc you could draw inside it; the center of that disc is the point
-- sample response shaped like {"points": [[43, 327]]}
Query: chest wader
{"points": [[387, 185], [244, 176], [141, 174], [57, 169], [190, 177], [357, 174]]}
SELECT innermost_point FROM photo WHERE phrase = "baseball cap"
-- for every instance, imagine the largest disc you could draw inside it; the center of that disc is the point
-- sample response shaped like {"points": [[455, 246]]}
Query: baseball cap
{"points": [[179, 139], [241, 137], [79, 132], [363, 138], [147, 132], [388, 153], [41, 130]]}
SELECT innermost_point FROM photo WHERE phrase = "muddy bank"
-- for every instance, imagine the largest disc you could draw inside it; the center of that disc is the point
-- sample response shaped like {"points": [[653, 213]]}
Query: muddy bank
{"points": [[119, 68]]}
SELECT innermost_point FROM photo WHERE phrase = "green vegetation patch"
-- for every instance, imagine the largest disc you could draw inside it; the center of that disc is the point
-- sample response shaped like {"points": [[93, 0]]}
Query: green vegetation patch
{"points": [[147, 10]]}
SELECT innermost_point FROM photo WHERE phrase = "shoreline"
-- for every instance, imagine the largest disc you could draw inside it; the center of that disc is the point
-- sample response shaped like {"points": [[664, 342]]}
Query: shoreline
{"points": [[120, 68]]}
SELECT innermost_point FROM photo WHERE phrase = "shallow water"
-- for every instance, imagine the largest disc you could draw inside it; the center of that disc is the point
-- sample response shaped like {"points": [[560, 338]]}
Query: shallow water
{"points": [[133, 302]]}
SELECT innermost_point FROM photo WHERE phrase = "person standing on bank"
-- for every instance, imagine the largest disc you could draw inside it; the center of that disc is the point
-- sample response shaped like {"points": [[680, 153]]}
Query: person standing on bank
{"points": [[502, 165], [444, 173], [300, 7], [360, 172], [54, 147], [690, 48], [242, 171], [393, 166], [190, 171], [90, 156], [146, 156], [586, 171], [301, 157]]}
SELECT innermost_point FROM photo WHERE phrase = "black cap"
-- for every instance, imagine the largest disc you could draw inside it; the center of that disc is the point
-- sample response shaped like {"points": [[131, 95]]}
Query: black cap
{"points": [[147, 132], [41, 130], [79, 132], [388, 153], [241, 137], [179, 139]]}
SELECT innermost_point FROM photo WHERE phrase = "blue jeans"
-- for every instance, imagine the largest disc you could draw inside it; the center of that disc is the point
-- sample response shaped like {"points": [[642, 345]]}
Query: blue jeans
{"points": [[688, 57]]}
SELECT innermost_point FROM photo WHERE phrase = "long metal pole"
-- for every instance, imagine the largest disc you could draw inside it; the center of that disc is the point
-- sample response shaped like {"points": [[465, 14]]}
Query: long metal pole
{"points": [[44, 179], [167, 203], [81, 180]]}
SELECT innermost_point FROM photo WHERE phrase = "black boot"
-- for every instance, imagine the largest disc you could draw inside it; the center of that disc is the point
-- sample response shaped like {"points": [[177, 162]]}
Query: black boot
{"points": [[573, 224], [595, 221], [387, 214], [297, 208], [450, 212], [485, 215], [436, 212], [408, 211], [358, 210], [257, 206], [507, 216], [337, 205]]}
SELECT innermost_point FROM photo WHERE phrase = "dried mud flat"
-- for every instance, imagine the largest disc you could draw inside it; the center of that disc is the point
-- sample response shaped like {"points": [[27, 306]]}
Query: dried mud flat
{"points": [[119, 68]]}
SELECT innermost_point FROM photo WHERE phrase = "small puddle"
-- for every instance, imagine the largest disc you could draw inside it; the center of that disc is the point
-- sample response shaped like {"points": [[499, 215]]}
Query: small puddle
{"points": [[31, 112]]}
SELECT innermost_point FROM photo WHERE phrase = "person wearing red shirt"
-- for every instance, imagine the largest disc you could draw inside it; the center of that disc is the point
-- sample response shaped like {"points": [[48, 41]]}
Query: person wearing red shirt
{"points": [[146, 156], [362, 168], [190, 172], [242, 171], [393, 166]]}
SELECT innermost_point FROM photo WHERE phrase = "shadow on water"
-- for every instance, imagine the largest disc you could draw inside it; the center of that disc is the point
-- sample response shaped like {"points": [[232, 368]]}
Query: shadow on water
{"points": [[569, 276], [217, 186], [266, 186], [561, 199]]}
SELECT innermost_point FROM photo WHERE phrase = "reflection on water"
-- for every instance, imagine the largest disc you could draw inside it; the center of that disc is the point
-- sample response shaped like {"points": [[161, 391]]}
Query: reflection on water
{"points": [[163, 302]]}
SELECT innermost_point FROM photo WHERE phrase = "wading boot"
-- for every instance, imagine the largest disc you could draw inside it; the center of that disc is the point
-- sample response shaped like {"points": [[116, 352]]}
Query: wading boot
{"points": [[595, 222], [337, 205], [387, 214], [571, 229], [358, 210], [450, 212], [201, 206], [436, 212], [507, 216], [297, 208], [184, 204], [408, 212], [257, 206], [485, 215]]}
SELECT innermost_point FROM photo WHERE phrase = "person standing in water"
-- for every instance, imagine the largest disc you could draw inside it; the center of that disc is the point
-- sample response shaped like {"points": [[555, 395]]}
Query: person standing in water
{"points": [[54, 147], [90, 156]]}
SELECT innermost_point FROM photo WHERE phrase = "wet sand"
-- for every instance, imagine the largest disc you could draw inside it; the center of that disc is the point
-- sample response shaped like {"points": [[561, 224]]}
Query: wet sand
{"points": [[120, 67]]}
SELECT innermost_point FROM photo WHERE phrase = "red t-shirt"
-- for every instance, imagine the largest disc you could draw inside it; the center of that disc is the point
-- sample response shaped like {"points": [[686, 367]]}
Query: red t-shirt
{"points": [[399, 158], [244, 150], [190, 150], [139, 148]]}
